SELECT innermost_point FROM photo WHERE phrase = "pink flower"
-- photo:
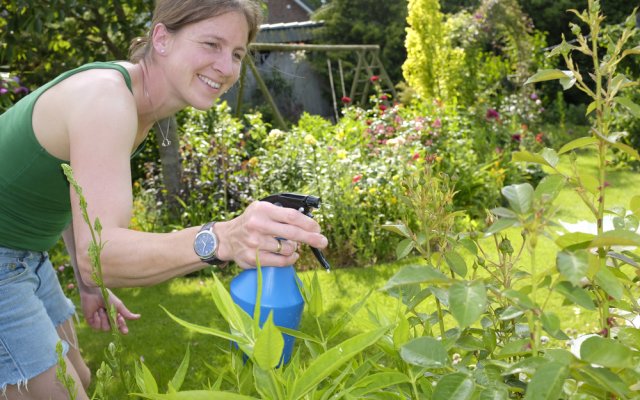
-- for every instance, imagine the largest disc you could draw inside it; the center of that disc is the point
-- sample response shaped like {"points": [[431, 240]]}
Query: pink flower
{"points": [[374, 78], [71, 286], [416, 156], [382, 107], [346, 100], [533, 96], [384, 97], [436, 123], [61, 268], [356, 179], [539, 137]]}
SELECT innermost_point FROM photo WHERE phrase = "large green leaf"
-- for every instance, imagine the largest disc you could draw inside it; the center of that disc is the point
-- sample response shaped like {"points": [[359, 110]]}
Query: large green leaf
{"points": [[519, 196], [578, 143], [607, 353], [630, 151], [424, 351], [629, 105], [566, 78], [206, 330], [575, 240], [196, 395], [467, 301], [376, 382], [267, 351], [456, 263], [526, 156], [551, 324], [616, 238], [416, 274], [500, 225], [549, 187], [181, 372], [605, 379], [576, 295], [629, 336], [145, 380], [609, 283], [267, 384], [573, 265], [454, 386], [546, 383], [326, 363], [400, 229]]}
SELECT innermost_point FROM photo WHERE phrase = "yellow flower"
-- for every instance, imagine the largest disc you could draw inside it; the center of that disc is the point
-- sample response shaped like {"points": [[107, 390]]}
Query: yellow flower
{"points": [[309, 139], [372, 190], [253, 161], [275, 134], [342, 154]]}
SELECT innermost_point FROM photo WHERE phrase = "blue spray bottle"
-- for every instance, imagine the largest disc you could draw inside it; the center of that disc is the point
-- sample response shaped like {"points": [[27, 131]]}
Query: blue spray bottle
{"points": [[280, 285]]}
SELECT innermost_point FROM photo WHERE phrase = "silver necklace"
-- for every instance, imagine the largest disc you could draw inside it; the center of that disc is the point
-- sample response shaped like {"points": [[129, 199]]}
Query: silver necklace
{"points": [[165, 135]]}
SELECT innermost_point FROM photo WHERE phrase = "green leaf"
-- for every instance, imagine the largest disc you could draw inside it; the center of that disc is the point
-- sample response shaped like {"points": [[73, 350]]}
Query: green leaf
{"points": [[634, 206], [549, 188], [550, 156], [196, 395], [605, 379], [525, 156], [467, 301], [629, 104], [454, 386], [606, 352], [519, 197], [374, 383], [609, 283], [629, 336], [267, 351], [402, 332], [578, 143], [404, 248], [573, 265], [527, 366], [267, 384], [206, 330], [347, 316], [520, 298], [456, 263], [510, 312], [326, 363], [576, 295], [146, 382], [400, 229], [500, 225], [494, 393], [424, 351], [575, 240], [416, 274], [316, 302], [515, 348], [630, 151], [503, 212], [181, 372], [551, 324], [546, 383], [548, 75]]}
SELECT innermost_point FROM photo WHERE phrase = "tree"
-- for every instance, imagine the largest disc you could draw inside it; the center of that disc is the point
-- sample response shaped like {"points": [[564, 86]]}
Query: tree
{"points": [[367, 22]]}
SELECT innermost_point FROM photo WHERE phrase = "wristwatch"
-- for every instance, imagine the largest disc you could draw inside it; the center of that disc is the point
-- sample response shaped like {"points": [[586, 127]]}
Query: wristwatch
{"points": [[206, 245]]}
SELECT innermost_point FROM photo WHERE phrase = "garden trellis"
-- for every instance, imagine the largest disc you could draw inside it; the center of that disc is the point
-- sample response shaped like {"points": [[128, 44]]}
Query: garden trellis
{"points": [[368, 64]]}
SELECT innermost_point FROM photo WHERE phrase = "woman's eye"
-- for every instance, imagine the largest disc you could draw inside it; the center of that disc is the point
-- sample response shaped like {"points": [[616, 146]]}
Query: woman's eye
{"points": [[212, 45], [238, 56]]}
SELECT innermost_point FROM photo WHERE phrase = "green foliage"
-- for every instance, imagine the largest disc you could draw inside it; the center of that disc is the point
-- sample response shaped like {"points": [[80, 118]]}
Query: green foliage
{"points": [[367, 22], [62, 34]]}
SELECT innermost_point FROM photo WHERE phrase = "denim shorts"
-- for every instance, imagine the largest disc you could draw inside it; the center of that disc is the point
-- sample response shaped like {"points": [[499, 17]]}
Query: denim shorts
{"points": [[32, 305]]}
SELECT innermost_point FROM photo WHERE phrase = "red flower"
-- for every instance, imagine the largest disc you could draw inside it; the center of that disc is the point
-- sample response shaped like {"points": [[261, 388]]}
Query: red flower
{"points": [[384, 97], [492, 113], [516, 138], [374, 78], [382, 107], [539, 137], [415, 156], [346, 100], [356, 179]]}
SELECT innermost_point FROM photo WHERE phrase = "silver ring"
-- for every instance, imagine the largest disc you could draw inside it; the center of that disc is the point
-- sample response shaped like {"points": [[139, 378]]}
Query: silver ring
{"points": [[279, 249]]}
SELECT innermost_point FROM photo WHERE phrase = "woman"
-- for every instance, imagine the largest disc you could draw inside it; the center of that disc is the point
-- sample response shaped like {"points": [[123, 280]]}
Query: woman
{"points": [[95, 118]]}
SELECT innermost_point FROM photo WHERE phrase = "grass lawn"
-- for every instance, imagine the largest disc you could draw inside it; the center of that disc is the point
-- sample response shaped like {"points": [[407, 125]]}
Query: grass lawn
{"points": [[162, 343]]}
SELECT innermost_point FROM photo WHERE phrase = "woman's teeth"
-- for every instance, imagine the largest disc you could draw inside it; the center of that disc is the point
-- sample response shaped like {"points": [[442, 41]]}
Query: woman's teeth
{"points": [[209, 82]]}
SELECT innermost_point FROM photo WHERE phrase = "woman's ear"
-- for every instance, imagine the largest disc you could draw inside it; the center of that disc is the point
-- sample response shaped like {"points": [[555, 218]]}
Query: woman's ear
{"points": [[161, 38]]}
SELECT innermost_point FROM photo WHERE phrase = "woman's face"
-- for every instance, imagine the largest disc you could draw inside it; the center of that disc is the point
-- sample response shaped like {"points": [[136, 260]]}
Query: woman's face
{"points": [[205, 58]]}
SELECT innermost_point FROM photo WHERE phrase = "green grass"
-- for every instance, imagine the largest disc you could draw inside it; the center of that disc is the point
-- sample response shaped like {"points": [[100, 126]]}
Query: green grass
{"points": [[162, 343]]}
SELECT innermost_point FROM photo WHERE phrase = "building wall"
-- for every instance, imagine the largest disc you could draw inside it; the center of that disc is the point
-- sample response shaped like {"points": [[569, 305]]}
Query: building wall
{"points": [[285, 11]]}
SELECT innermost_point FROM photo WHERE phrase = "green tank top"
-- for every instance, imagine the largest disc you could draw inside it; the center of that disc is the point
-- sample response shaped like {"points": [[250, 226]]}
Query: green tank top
{"points": [[34, 193]]}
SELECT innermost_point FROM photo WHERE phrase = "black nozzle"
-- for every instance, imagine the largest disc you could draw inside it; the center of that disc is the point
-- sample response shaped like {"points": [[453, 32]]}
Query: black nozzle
{"points": [[304, 204]]}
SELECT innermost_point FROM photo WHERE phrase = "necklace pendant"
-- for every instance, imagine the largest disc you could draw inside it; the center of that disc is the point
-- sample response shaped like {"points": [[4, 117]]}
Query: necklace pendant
{"points": [[166, 142]]}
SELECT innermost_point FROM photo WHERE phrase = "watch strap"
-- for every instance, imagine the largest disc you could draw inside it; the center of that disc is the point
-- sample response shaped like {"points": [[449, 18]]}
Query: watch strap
{"points": [[213, 259]]}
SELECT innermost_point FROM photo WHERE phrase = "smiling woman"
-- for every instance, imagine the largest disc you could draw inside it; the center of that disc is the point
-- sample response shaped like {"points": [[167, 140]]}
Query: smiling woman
{"points": [[96, 117]]}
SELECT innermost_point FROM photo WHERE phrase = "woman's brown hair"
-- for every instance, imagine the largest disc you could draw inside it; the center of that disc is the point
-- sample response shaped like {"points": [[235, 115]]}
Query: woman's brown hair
{"points": [[176, 14]]}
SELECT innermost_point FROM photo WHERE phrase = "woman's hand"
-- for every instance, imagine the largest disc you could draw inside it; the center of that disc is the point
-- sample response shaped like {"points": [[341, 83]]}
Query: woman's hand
{"points": [[95, 311], [268, 232]]}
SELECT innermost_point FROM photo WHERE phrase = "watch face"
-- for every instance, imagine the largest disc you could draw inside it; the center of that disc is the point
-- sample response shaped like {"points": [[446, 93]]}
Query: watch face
{"points": [[205, 244]]}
